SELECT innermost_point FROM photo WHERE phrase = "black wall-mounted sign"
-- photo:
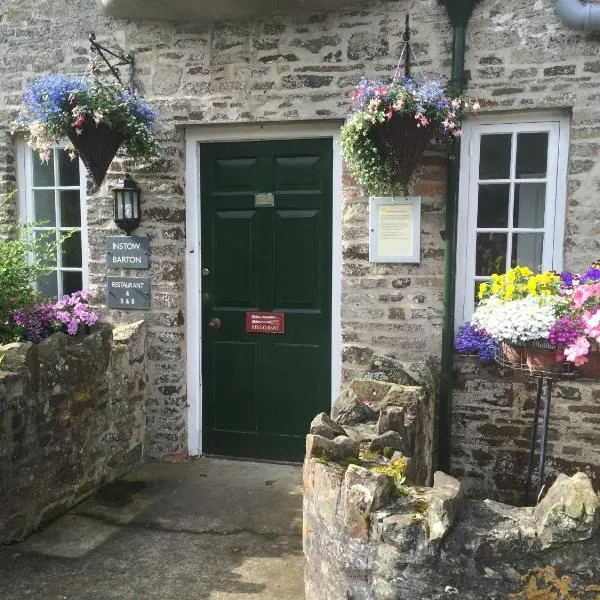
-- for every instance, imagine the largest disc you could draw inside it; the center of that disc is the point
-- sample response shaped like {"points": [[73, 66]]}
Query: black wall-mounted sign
{"points": [[129, 293], [127, 252]]}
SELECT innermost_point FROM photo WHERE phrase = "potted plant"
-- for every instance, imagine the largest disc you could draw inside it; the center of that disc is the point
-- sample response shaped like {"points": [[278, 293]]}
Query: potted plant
{"points": [[96, 115], [384, 139], [518, 309]]}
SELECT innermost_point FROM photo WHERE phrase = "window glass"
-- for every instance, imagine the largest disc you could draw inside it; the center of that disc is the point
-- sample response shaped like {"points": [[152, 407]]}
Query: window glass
{"points": [[43, 172], [44, 210], [530, 205], [532, 155], [492, 207], [494, 156]]}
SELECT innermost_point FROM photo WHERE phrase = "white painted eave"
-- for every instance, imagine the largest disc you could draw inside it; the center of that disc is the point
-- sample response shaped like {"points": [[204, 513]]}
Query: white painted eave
{"points": [[207, 11]]}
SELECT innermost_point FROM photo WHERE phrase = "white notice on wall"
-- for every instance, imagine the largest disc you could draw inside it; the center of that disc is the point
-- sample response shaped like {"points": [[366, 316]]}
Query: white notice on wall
{"points": [[395, 230]]}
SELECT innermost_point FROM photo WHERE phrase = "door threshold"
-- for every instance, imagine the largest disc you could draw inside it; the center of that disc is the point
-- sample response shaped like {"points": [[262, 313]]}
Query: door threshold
{"points": [[289, 463]]}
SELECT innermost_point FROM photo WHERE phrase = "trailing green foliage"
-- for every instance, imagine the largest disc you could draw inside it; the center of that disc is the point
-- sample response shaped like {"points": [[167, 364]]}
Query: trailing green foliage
{"points": [[24, 258]]}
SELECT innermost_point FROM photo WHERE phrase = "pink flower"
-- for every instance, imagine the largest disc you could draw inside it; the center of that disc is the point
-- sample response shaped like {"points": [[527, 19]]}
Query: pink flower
{"points": [[389, 114], [577, 352], [63, 316], [455, 104], [72, 327], [582, 293], [591, 323], [79, 121], [366, 402]]}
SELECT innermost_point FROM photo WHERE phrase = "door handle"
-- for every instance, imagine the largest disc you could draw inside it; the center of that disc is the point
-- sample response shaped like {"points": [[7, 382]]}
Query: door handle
{"points": [[215, 323]]}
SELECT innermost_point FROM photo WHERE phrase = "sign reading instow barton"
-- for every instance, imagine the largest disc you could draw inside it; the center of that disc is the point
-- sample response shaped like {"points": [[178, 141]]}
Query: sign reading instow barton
{"points": [[127, 252], [129, 293]]}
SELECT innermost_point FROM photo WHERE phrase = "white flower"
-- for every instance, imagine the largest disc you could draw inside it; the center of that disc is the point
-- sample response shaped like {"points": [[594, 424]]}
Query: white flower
{"points": [[518, 320]]}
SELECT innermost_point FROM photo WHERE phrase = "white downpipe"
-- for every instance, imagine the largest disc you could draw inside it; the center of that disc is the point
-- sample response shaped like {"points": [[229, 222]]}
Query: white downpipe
{"points": [[580, 16]]}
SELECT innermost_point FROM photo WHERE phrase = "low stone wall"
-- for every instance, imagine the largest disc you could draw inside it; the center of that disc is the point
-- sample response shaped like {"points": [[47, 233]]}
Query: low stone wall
{"points": [[72, 417], [366, 539], [373, 531], [492, 414]]}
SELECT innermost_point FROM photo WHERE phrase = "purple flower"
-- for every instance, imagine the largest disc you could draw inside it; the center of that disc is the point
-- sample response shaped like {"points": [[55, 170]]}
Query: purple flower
{"points": [[471, 340], [591, 276], [567, 279], [565, 331]]}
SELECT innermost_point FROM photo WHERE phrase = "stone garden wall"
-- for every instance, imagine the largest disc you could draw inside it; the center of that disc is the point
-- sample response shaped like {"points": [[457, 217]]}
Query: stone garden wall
{"points": [[372, 531], [72, 417]]}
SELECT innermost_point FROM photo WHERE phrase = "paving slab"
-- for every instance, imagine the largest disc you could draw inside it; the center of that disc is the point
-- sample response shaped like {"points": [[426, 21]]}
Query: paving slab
{"points": [[203, 529]]}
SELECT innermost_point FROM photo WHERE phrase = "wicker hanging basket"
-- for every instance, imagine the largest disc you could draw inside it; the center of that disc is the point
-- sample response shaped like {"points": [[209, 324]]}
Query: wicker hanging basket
{"points": [[403, 143], [96, 145]]}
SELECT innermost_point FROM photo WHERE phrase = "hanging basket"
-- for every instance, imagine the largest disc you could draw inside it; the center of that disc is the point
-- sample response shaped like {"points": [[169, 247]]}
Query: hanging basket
{"points": [[403, 143], [96, 145]]}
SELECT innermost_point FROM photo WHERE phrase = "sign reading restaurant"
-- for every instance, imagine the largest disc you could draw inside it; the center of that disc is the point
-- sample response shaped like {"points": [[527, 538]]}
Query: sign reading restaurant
{"points": [[127, 252], [129, 293]]}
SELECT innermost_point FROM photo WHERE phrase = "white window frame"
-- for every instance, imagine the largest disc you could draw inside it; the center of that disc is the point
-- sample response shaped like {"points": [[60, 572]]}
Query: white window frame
{"points": [[26, 213], [556, 192]]}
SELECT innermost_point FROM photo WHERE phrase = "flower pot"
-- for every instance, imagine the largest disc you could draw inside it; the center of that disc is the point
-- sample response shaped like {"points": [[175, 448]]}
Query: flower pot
{"points": [[512, 353], [542, 360], [591, 369], [96, 145], [403, 143]]}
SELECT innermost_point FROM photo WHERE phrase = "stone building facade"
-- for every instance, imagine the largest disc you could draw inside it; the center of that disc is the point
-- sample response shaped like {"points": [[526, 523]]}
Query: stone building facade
{"points": [[284, 70]]}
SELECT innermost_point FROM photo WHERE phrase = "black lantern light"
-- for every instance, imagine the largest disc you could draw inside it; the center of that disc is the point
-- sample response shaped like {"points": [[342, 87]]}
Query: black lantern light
{"points": [[127, 204]]}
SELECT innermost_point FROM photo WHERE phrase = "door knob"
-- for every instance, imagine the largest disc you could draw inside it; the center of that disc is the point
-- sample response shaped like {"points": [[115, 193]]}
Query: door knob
{"points": [[215, 323], [205, 271]]}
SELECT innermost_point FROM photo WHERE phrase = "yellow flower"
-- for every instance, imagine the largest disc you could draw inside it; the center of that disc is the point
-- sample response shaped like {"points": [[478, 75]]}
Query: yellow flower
{"points": [[510, 275], [532, 287], [526, 272], [482, 290], [496, 287], [510, 290]]}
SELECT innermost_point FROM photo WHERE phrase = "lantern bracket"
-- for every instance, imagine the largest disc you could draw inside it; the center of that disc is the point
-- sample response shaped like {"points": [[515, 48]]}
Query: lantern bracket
{"points": [[121, 59]]}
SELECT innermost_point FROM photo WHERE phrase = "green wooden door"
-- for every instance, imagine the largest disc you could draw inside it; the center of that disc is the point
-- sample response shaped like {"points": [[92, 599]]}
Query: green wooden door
{"points": [[261, 390]]}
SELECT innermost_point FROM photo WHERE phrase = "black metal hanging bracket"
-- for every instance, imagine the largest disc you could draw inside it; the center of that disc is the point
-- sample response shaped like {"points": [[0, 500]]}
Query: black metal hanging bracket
{"points": [[406, 41], [405, 53], [122, 59]]}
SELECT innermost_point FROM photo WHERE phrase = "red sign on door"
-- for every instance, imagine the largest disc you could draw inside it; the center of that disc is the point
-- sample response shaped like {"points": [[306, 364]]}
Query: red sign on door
{"points": [[265, 322]]}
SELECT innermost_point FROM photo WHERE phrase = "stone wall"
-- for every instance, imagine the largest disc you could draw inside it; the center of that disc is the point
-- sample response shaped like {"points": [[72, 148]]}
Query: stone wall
{"points": [[299, 68], [365, 539], [492, 415], [72, 417]]}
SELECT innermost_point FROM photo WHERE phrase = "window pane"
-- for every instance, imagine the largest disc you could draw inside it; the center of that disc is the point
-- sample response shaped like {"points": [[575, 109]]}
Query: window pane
{"points": [[47, 238], [43, 173], [527, 250], [71, 251], [70, 208], [532, 155], [72, 281], [491, 253], [492, 208], [47, 285], [494, 157], [43, 207], [68, 170], [530, 204]]}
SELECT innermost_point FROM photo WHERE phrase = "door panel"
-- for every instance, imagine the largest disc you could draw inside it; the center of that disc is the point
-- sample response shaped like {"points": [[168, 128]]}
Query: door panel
{"points": [[235, 261], [260, 391], [297, 273]]}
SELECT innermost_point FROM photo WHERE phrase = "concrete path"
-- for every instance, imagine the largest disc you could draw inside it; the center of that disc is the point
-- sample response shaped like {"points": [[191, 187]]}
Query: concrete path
{"points": [[206, 528]]}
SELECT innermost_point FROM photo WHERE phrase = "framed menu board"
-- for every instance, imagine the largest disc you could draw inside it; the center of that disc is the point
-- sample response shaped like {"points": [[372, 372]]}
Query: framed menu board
{"points": [[395, 229]]}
